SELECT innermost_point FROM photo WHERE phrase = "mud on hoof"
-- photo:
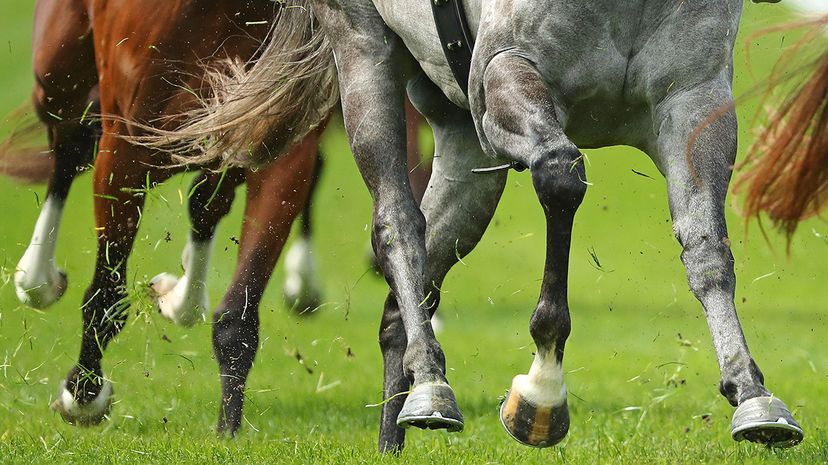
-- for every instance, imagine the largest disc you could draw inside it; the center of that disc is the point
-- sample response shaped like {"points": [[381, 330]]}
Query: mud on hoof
{"points": [[86, 414], [40, 292], [179, 301], [766, 420], [533, 425], [431, 406]]}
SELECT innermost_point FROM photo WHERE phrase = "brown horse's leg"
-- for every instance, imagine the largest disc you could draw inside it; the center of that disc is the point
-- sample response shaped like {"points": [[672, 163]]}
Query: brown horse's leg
{"points": [[185, 300], [301, 288], [275, 195], [121, 171], [64, 67]]}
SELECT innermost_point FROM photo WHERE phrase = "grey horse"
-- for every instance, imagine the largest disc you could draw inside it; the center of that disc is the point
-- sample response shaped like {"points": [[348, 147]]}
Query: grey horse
{"points": [[547, 78]]}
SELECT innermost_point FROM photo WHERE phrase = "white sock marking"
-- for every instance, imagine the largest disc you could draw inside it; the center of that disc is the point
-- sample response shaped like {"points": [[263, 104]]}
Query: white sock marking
{"points": [[37, 280], [544, 385], [185, 300], [300, 272]]}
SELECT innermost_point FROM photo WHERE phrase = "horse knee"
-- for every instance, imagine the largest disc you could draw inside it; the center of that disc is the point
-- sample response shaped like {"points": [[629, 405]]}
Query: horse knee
{"points": [[393, 226], [706, 256], [560, 180]]}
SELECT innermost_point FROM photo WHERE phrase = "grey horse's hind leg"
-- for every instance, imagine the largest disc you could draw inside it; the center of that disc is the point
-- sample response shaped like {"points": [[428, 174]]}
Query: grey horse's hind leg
{"points": [[367, 55], [520, 123], [697, 201], [458, 206]]}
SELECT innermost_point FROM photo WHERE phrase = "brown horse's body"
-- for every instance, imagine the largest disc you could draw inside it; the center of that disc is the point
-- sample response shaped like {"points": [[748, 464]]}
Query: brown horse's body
{"points": [[141, 61], [787, 175]]}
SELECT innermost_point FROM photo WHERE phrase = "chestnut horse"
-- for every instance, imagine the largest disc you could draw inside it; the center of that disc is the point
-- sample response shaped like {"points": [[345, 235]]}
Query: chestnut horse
{"points": [[111, 58], [787, 169]]}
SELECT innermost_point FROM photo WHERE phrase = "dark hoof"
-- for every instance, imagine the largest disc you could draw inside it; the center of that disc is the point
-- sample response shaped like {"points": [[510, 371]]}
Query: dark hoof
{"points": [[532, 425], [431, 406], [766, 420], [87, 414]]}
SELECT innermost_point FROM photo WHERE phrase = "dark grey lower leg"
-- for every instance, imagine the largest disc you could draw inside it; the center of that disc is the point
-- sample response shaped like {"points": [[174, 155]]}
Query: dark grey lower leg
{"points": [[458, 205]]}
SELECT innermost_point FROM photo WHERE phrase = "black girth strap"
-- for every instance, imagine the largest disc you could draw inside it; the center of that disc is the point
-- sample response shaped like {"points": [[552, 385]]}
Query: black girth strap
{"points": [[455, 38]]}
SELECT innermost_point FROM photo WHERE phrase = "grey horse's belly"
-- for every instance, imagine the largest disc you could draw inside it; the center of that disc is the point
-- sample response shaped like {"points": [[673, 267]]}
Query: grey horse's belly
{"points": [[607, 63]]}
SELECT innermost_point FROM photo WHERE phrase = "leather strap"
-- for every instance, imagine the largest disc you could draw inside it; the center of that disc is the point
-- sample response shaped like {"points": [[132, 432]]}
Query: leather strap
{"points": [[455, 38]]}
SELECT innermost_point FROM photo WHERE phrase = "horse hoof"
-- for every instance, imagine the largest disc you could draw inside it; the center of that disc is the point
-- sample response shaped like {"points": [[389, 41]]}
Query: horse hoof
{"points": [[431, 406], [162, 284], [766, 420], [533, 425], [37, 293], [176, 301], [87, 414]]}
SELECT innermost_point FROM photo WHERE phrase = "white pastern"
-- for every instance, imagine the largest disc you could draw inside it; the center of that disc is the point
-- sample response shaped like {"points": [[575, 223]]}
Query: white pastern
{"points": [[75, 412], [38, 282], [185, 301], [301, 285], [544, 385]]}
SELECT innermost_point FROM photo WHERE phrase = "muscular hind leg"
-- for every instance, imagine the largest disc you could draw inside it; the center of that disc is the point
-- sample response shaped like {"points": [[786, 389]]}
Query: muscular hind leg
{"points": [[184, 300], [120, 173], [275, 195], [65, 76], [697, 205], [458, 205]]}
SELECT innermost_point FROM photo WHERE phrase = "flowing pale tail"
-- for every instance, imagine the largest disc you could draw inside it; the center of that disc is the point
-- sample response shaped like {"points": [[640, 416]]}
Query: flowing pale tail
{"points": [[256, 111], [22, 157], [786, 172]]}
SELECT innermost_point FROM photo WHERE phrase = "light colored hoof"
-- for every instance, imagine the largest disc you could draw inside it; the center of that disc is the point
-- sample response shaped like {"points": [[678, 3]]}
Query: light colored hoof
{"points": [[40, 293], [431, 406], [766, 420], [177, 301], [532, 424], [301, 289], [88, 414]]}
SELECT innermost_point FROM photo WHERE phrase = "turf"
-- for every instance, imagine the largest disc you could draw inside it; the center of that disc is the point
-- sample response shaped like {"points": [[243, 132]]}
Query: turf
{"points": [[641, 371]]}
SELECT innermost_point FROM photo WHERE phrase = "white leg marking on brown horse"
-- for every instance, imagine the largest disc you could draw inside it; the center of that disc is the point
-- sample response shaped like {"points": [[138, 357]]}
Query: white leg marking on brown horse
{"points": [[301, 279], [185, 300], [38, 282]]}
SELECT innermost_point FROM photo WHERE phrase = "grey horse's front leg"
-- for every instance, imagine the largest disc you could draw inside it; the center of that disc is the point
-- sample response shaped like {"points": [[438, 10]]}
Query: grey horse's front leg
{"points": [[519, 122], [458, 206], [697, 193], [372, 102]]}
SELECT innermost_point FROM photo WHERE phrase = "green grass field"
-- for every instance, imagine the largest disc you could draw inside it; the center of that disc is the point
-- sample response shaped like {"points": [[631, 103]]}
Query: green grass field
{"points": [[641, 370]]}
